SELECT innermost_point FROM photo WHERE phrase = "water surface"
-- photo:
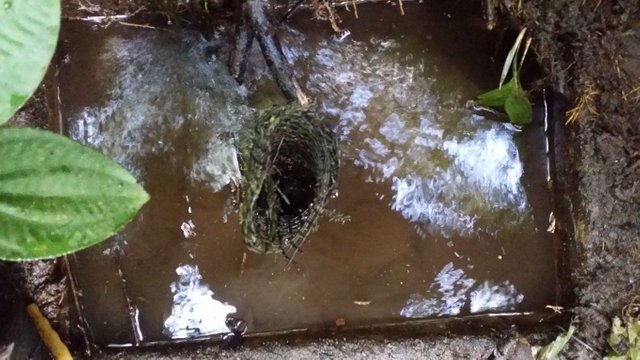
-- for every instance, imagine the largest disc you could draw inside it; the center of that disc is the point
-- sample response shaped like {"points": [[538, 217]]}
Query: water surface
{"points": [[440, 211]]}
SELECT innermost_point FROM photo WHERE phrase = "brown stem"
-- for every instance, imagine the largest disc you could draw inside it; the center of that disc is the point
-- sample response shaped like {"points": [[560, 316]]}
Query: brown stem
{"points": [[243, 40], [255, 15]]}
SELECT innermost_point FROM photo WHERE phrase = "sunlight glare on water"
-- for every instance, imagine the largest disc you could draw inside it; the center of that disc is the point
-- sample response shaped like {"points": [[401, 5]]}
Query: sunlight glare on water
{"points": [[448, 167], [195, 311]]}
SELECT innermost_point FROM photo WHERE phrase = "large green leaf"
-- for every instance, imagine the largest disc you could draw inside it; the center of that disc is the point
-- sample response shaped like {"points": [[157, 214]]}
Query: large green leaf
{"points": [[28, 36], [497, 97], [57, 196], [519, 109]]}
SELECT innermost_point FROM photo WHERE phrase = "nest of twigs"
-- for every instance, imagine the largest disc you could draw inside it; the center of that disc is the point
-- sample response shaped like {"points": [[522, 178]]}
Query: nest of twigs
{"points": [[289, 163]]}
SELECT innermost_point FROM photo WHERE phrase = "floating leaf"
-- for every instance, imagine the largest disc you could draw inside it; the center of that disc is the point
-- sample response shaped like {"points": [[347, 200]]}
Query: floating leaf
{"points": [[552, 350], [519, 109], [57, 196], [28, 36]]}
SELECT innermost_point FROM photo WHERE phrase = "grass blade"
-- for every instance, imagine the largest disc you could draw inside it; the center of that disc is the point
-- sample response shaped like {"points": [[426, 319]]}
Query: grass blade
{"points": [[512, 53]]}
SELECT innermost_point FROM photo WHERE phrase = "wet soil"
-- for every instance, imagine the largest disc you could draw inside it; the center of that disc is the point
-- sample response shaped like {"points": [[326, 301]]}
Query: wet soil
{"points": [[590, 52]]}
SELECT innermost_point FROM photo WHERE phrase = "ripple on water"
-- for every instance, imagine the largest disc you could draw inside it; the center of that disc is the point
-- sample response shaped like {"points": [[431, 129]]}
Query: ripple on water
{"points": [[452, 171]]}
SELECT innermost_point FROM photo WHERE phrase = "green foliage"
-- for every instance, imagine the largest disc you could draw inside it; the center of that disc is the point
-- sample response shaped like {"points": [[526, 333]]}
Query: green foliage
{"points": [[28, 36], [624, 339], [552, 350], [518, 108], [510, 96], [498, 96], [56, 196]]}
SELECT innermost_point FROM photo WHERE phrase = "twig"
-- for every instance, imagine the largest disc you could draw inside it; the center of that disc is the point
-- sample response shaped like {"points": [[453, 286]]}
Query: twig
{"points": [[284, 197], [99, 19], [59, 104], [132, 308], [82, 321], [243, 262], [255, 14], [577, 339], [291, 10], [626, 95], [242, 43], [48, 335], [140, 25], [346, 2], [401, 7]]}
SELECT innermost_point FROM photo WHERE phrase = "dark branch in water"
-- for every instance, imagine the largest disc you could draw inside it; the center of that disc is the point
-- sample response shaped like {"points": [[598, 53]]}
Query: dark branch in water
{"points": [[243, 41], [291, 11], [255, 15]]}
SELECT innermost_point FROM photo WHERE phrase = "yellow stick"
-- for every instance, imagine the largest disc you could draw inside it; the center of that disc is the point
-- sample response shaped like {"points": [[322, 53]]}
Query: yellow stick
{"points": [[49, 336]]}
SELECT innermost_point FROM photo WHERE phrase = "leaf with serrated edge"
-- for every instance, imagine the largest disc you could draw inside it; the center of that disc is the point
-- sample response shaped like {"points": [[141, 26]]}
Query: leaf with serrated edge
{"points": [[28, 37], [57, 196]]}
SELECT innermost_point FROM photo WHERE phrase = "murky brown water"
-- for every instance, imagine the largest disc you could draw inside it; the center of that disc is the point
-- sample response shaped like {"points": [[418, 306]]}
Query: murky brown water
{"points": [[447, 210]]}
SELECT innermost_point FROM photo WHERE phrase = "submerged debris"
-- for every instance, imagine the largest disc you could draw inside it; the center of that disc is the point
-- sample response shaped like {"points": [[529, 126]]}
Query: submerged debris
{"points": [[289, 164]]}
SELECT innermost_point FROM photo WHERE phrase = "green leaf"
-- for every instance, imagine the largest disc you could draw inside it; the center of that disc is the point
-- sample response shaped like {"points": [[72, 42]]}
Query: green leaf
{"points": [[511, 57], [633, 329], [616, 357], [518, 108], [552, 350], [497, 97], [28, 36], [524, 53], [618, 333], [57, 196]]}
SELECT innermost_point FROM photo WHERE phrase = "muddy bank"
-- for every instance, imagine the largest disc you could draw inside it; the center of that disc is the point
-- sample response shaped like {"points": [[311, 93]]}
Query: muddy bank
{"points": [[590, 53]]}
